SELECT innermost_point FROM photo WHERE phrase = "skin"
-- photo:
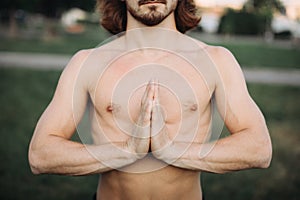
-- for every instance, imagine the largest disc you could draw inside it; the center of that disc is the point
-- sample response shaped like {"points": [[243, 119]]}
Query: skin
{"points": [[124, 160]]}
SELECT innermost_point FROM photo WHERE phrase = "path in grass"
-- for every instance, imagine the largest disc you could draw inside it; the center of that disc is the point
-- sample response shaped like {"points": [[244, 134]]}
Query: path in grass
{"points": [[52, 61]]}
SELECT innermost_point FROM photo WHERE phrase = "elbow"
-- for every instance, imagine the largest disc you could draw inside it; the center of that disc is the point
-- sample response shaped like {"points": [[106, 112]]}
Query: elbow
{"points": [[261, 148], [263, 155], [36, 162], [263, 162], [266, 158]]}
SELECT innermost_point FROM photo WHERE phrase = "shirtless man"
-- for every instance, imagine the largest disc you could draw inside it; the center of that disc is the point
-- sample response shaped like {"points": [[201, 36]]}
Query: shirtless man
{"points": [[151, 93]]}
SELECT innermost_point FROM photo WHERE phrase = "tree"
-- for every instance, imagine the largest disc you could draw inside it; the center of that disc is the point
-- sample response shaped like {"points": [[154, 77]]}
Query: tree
{"points": [[240, 22], [263, 5], [9, 8], [54, 8], [265, 8], [254, 19], [49, 8]]}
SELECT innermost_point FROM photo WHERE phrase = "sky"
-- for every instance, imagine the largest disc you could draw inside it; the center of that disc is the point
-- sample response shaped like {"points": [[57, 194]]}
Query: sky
{"points": [[239, 2], [220, 2]]}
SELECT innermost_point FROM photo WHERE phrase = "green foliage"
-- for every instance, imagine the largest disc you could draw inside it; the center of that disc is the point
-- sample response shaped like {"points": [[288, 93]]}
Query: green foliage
{"points": [[17, 4], [50, 8], [264, 6], [242, 23], [254, 19]]}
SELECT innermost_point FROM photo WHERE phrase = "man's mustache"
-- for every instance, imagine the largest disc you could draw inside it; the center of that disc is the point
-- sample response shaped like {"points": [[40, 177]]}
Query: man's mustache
{"points": [[142, 2]]}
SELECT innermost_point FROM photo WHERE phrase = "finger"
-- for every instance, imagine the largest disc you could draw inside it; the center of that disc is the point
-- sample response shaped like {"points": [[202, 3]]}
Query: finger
{"points": [[151, 90], [157, 121], [160, 141], [156, 90], [149, 93], [156, 107], [147, 113], [146, 92]]}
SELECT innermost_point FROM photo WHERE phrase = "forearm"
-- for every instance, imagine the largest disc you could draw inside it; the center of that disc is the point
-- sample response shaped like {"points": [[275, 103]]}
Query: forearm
{"points": [[235, 152], [61, 156]]}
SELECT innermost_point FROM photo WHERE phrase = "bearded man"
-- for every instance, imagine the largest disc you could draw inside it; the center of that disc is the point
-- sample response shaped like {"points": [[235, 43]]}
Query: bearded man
{"points": [[151, 92]]}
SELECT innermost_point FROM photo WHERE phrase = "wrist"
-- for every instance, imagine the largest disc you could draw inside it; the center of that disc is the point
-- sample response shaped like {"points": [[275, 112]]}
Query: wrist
{"points": [[137, 150], [165, 153]]}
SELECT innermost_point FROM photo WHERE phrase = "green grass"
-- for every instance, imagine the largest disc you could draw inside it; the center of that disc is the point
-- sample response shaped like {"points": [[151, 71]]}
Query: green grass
{"points": [[257, 55], [63, 43], [250, 54], [280, 105], [25, 94]]}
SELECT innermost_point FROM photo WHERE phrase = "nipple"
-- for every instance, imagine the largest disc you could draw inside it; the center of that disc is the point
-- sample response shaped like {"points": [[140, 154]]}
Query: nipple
{"points": [[109, 108], [112, 108], [194, 107]]}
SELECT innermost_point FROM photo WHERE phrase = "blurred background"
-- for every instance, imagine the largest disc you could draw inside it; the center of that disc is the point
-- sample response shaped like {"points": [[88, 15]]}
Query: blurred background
{"points": [[38, 37]]}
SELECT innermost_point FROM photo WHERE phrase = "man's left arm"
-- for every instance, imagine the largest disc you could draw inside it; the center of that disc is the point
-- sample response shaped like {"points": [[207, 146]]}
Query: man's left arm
{"points": [[248, 146]]}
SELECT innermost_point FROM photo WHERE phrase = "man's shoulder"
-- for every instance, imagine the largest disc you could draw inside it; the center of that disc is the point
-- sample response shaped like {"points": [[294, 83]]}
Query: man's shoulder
{"points": [[219, 54], [83, 55], [212, 50], [222, 58]]}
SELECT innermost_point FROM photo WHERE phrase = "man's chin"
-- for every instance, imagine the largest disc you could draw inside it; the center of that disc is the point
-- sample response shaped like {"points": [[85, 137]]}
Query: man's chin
{"points": [[149, 17], [151, 22]]}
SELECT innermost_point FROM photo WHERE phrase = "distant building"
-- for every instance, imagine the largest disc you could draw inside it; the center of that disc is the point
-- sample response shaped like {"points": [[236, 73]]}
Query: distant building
{"points": [[70, 20], [281, 24]]}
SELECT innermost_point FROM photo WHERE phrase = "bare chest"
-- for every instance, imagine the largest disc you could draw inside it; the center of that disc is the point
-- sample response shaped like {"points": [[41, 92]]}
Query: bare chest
{"points": [[183, 89]]}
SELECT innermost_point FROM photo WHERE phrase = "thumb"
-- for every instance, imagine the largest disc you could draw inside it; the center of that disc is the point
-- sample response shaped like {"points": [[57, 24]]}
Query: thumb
{"points": [[157, 119]]}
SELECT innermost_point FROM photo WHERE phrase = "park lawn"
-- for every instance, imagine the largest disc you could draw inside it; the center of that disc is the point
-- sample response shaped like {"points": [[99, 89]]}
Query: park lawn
{"points": [[280, 105], [249, 54], [62, 43], [257, 55], [25, 94]]}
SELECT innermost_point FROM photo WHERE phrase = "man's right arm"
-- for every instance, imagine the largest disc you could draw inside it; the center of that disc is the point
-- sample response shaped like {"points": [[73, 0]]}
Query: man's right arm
{"points": [[52, 151]]}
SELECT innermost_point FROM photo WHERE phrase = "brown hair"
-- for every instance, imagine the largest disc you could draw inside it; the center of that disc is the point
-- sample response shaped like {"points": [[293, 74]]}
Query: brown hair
{"points": [[114, 15]]}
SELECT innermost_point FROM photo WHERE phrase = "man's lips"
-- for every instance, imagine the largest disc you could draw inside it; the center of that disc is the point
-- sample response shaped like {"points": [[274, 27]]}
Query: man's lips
{"points": [[143, 2]]}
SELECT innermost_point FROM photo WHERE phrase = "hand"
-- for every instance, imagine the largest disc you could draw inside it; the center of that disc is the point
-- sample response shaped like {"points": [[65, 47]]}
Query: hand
{"points": [[160, 140], [139, 143]]}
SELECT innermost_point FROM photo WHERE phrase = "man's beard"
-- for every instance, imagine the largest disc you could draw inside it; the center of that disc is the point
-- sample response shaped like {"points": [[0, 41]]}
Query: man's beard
{"points": [[152, 18]]}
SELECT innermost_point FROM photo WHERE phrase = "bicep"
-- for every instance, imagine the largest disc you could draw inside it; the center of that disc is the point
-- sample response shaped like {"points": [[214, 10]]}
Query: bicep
{"points": [[68, 103], [238, 109]]}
